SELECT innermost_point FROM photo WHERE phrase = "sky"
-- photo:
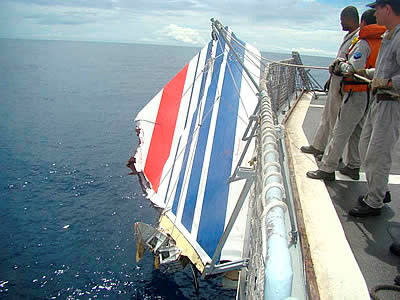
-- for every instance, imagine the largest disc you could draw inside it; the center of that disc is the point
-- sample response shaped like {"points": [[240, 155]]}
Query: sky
{"points": [[311, 27]]}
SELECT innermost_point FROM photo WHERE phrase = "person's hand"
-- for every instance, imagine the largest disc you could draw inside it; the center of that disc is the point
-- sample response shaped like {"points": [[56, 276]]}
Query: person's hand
{"points": [[330, 67], [379, 83], [347, 69], [336, 66]]}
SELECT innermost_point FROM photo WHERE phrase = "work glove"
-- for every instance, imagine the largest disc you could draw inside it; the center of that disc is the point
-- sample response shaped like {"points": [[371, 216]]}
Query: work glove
{"points": [[379, 83], [364, 73], [332, 66], [336, 66], [347, 69]]}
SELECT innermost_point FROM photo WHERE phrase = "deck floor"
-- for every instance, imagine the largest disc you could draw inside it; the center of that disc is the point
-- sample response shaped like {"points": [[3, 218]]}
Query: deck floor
{"points": [[368, 237]]}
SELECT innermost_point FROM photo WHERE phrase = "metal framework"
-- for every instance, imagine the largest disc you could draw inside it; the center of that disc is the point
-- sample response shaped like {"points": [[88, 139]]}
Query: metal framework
{"points": [[267, 233]]}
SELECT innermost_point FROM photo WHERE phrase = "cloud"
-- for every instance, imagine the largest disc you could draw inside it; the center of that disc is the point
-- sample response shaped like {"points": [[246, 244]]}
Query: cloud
{"points": [[312, 25], [184, 34], [102, 4], [314, 51]]}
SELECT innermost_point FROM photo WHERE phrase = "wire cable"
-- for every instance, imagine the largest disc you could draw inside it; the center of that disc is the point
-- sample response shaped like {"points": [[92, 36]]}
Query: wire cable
{"points": [[274, 61]]}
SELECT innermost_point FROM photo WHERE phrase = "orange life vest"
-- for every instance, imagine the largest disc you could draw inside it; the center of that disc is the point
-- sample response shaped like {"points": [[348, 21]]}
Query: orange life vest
{"points": [[372, 34]]}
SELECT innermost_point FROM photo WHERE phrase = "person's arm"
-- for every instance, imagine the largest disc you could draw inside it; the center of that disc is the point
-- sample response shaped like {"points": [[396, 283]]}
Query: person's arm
{"points": [[357, 59], [394, 82]]}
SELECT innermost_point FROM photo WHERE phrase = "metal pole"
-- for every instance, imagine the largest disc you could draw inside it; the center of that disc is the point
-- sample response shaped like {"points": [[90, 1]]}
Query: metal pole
{"points": [[230, 224], [219, 27]]}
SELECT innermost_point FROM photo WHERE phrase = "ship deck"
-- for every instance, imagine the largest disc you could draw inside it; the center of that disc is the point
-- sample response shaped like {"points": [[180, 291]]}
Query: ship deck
{"points": [[368, 238]]}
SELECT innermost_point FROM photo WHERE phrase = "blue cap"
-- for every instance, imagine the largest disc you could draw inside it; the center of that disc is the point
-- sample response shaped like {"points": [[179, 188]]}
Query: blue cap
{"points": [[395, 3]]}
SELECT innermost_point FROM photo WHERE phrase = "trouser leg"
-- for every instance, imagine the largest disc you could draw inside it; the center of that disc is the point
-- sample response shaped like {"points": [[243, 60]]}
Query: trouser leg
{"points": [[365, 135], [329, 115], [378, 159], [353, 159], [347, 124], [326, 125]]}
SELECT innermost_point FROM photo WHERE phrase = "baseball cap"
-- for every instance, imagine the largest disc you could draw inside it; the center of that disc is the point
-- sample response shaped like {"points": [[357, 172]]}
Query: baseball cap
{"points": [[395, 3]]}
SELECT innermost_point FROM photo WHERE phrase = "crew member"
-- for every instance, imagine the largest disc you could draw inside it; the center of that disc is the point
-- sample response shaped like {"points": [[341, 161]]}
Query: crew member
{"points": [[349, 20], [361, 54], [382, 125]]}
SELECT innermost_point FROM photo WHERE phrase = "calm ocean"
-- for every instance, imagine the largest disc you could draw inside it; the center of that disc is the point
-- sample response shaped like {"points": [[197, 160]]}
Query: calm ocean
{"points": [[67, 205]]}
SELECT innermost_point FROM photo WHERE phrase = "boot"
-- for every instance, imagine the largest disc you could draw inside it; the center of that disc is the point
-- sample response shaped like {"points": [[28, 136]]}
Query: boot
{"points": [[311, 150], [363, 210], [319, 174], [395, 248], [352, 173]]}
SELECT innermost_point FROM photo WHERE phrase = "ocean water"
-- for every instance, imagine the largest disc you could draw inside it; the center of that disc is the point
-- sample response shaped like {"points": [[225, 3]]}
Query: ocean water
{"points": [[67, 204]]}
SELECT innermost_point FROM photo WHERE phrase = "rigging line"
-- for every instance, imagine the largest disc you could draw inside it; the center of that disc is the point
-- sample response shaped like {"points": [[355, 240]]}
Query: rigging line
{"points": [[248, 58], [190, 139], [239, 43], [191, 154], [246, 78], [296, 66], [209, 68], [206, 67], [184, 183], [261, 58], [199, 125], [189, 142], [208, 63], [186, 91], [245, 122], [247, 51], [199, 122], [238, 91], [278, 62], [186, 178], [250, 54]]}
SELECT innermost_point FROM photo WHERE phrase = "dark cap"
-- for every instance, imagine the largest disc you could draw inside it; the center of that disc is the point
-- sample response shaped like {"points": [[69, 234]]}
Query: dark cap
{"points": [[395, 3]]}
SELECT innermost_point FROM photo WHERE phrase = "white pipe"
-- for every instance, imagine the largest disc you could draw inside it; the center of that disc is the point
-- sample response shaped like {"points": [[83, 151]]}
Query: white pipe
{"points": [[278, 267]]}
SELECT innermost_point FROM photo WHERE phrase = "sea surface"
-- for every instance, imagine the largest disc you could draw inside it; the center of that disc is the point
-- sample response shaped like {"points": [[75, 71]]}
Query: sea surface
{"points": [[67, 204]]}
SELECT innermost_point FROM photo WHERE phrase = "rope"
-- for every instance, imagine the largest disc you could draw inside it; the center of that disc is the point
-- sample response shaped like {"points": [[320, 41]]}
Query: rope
{"points": [[253, 60], [273, 61], [297, 66]]}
